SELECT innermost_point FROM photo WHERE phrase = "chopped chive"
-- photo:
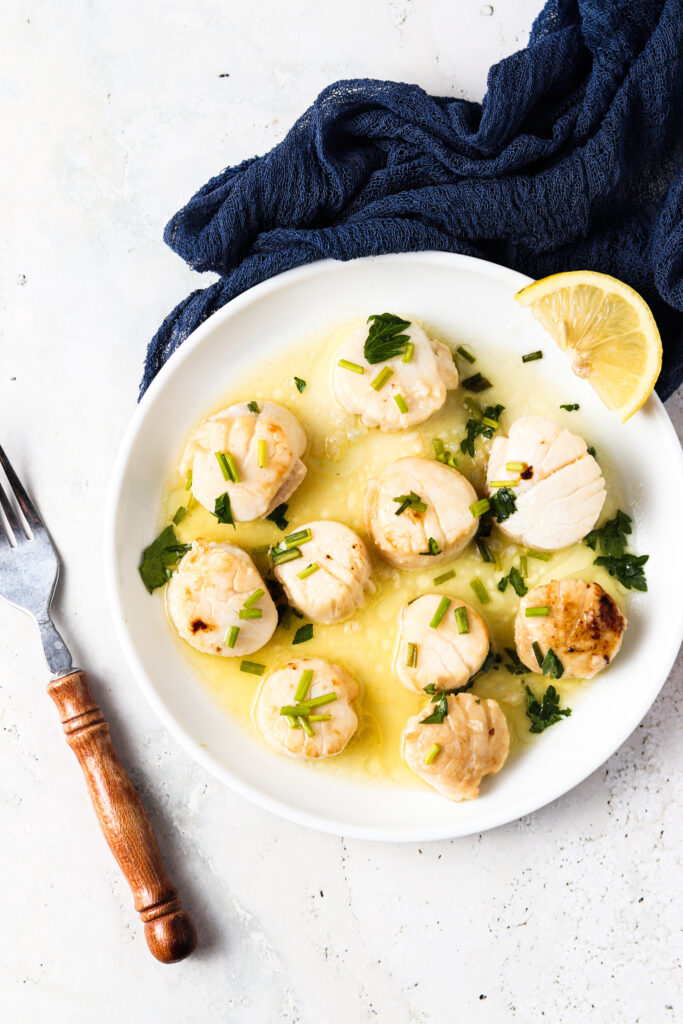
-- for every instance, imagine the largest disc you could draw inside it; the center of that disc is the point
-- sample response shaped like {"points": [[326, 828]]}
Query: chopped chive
{"points": [[539, 612], [411, 500], [462, 351], [489, 422], [306, 726], [536, 647], [232, 466], [254, 598], [504, 483], [480, 507], [432, 548], [303, 634], [279, 556], [444, 577], [400, 402], [571, 408], [438, 445], [381, 378], [474, 409], [444, 605], [231, 636], [516, 467], [461, 620], [523, 566], [300, 384], [262, 454], [480, 590], [250, 613], [432, 754], [411, 656], [180, 514], [407, 356], [484, 550], [260, 549], [531, 356], [296, 710], [317, 702], [293, 540], [188, 480], [223, 463], [293, 722], [252, 667], [253, 407], [542, 556], [353, 367], [308, 571], [477, 383], [319, 718], [304, 685]]}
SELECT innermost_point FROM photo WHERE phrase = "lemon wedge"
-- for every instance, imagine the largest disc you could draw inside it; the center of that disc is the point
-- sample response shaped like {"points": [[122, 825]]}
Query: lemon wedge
{"points": [[606, 329]]}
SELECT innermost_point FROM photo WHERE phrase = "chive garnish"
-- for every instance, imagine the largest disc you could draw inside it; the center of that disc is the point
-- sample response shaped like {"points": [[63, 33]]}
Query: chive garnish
{"points": [[462, 351], [433, 548], [480, 507], [231, 636], [439, 447], [474, 409], [539, 612], [536, 648], [253, 668], [381, 378], [254, 598], [318, 702], [300, 384], [319, 718], [432, 754], [293, 722], [531, 356], [477, 383], [188, 480], [253, 407], [308, 571], [262, 454], [250, 613], [303, 633], [297, 710], [504, 483], [223, 463], [401, 402], [411, 500], [444, 605], [516, 467], [461, 620], [542, 556], [353, 367], [484, 550], [232, 466], [292, 540], [306, 726], [411, 656], [523, 566], [279, 555], [493, 424], [480, 590], [444, 577], [407, 356], [180, 514], [571, 408], [304, 685]]}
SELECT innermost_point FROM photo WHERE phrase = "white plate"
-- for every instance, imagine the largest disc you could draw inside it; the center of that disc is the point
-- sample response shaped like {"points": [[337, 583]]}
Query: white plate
{"points": [[467, 299]]}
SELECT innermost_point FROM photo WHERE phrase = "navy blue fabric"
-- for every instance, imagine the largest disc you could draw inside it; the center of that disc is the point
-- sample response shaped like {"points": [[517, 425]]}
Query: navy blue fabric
{"points": [[572, 161]]}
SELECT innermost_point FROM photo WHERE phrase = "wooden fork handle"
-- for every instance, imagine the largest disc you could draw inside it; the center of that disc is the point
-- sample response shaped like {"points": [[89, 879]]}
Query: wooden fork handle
{"points": [[169, 930]]}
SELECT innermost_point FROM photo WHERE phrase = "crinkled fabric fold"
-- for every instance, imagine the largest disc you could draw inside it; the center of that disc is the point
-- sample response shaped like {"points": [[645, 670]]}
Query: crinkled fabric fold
{"points": [[574, 160]]}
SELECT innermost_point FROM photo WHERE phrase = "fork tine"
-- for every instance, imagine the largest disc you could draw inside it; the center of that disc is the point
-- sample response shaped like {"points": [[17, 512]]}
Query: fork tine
{"points": [[25, 503], [12, 520]]}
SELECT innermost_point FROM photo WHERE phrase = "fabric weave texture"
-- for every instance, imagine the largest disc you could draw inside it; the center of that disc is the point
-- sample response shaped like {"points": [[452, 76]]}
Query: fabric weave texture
{"points": [[574, 160]]}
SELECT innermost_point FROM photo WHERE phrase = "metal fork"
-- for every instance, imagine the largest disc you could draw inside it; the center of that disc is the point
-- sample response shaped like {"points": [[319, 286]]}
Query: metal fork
{"points": [[29, 568]]}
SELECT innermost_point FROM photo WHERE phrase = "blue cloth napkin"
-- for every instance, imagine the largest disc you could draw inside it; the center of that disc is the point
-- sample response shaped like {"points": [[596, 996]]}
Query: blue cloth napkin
{"points": [[573, 160]]}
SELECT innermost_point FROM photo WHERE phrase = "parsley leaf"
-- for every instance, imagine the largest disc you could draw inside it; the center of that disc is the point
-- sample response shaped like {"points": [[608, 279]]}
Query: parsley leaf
{"points": [[277, 516], [628, 569], [611, 536], [253, 407], [545, 712], [440, 697], [515, 578], [300, 384], [551, 665], [385, 340], [223, 511], [515, 666], [476, 428], [503, 504], [303, 634], [160, 558]]}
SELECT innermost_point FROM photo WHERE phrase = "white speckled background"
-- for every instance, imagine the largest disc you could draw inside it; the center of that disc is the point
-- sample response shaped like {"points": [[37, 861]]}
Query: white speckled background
{"points": [[111, 115]]}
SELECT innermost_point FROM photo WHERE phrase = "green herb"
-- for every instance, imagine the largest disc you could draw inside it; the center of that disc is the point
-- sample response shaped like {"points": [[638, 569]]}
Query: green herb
{"points": [[346, 364], [611, 536], [432, 754], [160, 558], [250, 613], [293, 722], [542, 556], [253, 407], [571, 408], [278, 517], [444, 605], [441, 454], [531, 356], [382, 377], [628, 569], [523, 568], [480, 590], [465, 354], [180, 514], [444, 577], [440, 711], [293, 540], [461, 620], [401, 402], [515, 578], [319, 718], [223, 511], [516, 467], [433, 548], [231, 636], [407, 356], [503, 504], [385, 340], [411, 656], [515, 666], [254, 598], [502, 584], [503, 483], [412, 500], [480, 508], [552, 666], [262, 453], [304, 685], [477, 383], [538, 653], [484, 550], [318, 702], [228, 466], [253, 668], [308, 571], [188, 481], [295, 710], [591, 451], [546, 712], [279, 556], [538, 612], [300, 384], [306, 726], [476, 427], [303, 634]]}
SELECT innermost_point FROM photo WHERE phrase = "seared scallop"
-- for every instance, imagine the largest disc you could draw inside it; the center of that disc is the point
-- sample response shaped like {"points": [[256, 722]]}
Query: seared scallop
{"points": [[216, 590], [254, 457], [329, 579], [454, 756], [583, 626], [559, 491], [441, 641], [408, 533], [412, 391], [331, 724]]}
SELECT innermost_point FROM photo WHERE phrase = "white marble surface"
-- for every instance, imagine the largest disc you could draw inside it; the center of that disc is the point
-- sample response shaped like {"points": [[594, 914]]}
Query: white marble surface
{"points": [[112, 113]]}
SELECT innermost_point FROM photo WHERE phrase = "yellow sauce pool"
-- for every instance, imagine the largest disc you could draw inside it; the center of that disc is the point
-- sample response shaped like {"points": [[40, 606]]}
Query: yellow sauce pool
{"points": [[342, 456]]}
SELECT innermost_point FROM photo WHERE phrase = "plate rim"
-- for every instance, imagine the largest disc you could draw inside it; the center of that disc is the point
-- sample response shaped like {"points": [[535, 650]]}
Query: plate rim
{"points": [[329, 825]]}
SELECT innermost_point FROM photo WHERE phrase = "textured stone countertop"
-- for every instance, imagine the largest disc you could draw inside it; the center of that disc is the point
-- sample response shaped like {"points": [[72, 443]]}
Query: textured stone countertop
{"points": [[112, 114]]}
